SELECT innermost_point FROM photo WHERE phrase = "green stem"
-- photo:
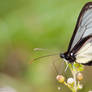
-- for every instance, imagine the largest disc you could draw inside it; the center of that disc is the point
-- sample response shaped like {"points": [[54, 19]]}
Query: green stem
{"points": [[68, 86], [74, 73], [75, 82]]}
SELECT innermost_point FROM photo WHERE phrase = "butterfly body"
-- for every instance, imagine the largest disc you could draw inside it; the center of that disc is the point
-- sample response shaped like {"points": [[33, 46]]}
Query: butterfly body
{"points": [[68, 57], [80, 46]]}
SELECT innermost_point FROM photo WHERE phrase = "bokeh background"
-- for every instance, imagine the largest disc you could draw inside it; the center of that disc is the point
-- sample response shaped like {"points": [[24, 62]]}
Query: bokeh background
{"points": [[29, 24]]}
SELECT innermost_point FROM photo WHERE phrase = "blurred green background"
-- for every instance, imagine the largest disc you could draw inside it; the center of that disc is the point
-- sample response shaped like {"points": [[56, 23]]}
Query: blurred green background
{"points": [[29, 24]]}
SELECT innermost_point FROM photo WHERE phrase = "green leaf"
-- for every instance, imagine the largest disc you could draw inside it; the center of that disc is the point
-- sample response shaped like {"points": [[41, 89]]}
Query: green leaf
{"points": [[78, 67]]}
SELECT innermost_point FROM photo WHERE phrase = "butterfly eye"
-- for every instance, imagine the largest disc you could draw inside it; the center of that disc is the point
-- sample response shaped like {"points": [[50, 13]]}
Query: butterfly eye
{"points": [[71, 54]]}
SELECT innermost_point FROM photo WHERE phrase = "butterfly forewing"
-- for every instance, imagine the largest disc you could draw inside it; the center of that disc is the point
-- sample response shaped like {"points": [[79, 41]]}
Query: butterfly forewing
{"points": [[83, 27]]}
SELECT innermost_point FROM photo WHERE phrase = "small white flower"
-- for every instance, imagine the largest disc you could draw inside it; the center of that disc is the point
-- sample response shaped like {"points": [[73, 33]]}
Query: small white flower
{"points": [[59, 88], [80, 86], [70, 81]]}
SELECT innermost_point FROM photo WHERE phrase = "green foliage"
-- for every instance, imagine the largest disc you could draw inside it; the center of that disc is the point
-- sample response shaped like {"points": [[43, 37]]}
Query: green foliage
{"points": [[76, 67]]}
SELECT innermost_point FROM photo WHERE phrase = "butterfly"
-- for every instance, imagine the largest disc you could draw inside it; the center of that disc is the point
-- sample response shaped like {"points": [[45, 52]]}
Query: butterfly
{"points": [[80, 46]]}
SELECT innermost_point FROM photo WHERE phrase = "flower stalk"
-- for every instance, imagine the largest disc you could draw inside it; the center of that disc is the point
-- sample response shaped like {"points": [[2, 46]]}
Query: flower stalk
{"points": [[73, 83]]}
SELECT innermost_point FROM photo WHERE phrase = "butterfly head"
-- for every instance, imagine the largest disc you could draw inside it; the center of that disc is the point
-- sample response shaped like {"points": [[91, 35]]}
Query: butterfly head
{"points": [[68, 56]]}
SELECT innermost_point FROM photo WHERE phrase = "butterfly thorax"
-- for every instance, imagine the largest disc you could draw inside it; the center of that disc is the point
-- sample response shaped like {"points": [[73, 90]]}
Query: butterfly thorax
{"points": [[68, 56]]}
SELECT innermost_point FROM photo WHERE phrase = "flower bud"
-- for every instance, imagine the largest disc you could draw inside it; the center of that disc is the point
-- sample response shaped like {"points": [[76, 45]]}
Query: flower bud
{"points": [[70, 81], [79, 76], [60, 78]]}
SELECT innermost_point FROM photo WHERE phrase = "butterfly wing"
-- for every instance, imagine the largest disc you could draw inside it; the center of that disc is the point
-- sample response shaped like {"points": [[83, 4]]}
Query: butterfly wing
{"points": [[84, 54], [83, 27]]}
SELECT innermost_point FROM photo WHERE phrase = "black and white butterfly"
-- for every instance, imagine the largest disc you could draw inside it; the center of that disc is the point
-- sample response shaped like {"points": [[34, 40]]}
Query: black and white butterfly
{"points": [[80, 46]]}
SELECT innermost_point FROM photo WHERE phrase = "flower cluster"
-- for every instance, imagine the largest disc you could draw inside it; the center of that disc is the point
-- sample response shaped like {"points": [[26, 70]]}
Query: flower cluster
{"points": [[74, 82]]}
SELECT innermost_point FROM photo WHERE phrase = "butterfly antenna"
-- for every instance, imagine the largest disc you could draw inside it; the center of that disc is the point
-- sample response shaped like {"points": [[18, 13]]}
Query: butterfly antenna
{"points": [[39, 49], [42, 57]]}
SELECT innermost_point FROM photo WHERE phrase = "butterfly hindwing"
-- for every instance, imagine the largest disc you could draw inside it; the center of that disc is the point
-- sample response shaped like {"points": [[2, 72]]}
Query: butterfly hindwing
{"points": [[84, 54]]}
